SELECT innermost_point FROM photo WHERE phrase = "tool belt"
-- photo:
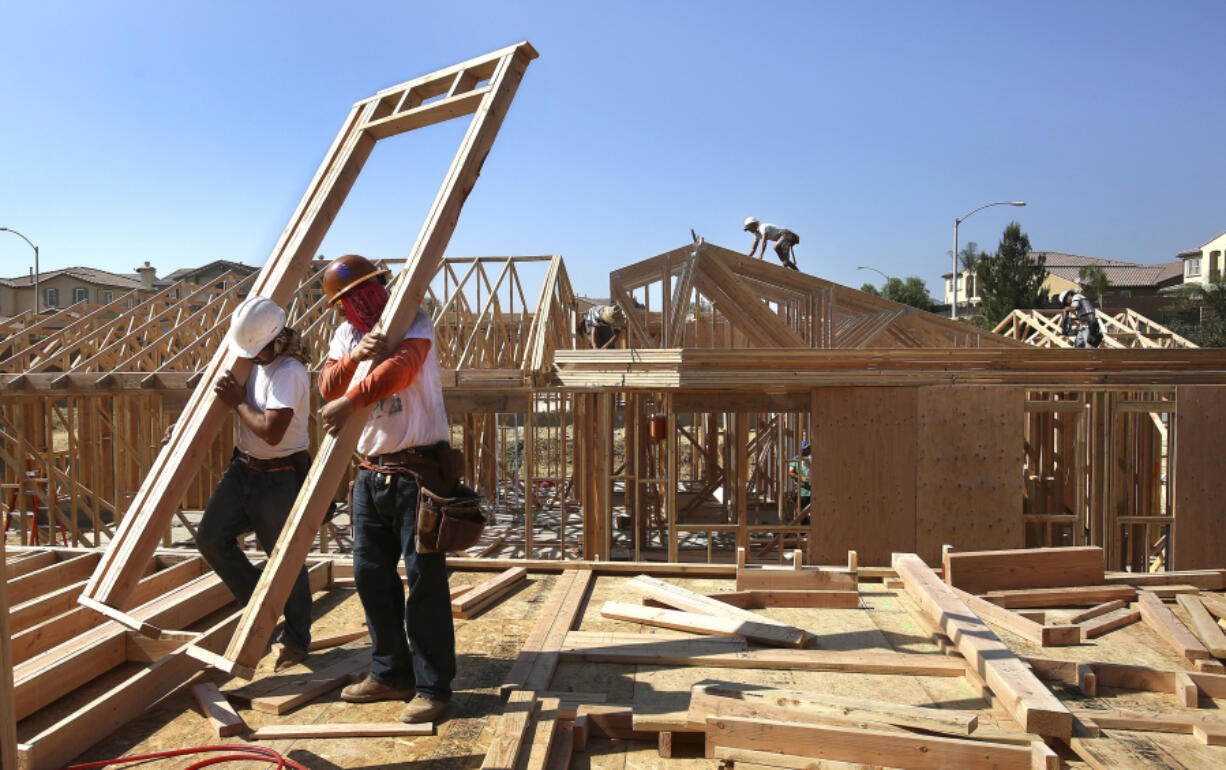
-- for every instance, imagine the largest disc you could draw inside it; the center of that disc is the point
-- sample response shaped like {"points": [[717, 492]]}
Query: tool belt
{"points": [[449, 515], [298, 461]]}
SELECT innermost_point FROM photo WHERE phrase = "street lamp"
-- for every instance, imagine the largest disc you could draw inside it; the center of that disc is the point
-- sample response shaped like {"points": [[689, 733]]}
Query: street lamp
{"points": [[27, 240], [885, 289], [953, 278]]}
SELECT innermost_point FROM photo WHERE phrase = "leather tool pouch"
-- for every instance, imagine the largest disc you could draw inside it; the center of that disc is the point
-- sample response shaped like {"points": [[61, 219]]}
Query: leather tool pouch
{"points": [[448, 523]]}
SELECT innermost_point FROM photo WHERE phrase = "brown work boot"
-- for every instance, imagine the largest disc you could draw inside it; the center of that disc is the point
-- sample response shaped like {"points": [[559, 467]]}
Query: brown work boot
{"points": [[423, 708], [370, 689], [288, 657]]}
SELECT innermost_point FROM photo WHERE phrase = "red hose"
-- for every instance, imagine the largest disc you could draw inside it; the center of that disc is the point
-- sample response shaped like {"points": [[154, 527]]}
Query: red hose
{"points": [[243, 752]]}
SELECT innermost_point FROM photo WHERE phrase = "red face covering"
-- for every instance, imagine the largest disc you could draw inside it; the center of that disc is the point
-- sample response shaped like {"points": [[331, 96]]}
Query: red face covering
{"points": [[364, 304]]}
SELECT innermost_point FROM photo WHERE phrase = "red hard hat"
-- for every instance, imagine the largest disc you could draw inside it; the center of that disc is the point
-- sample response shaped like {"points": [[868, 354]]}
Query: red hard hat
{"points": [[343, 273]]}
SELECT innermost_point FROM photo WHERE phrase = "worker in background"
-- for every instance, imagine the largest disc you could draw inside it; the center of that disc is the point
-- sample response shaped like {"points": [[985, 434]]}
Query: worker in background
{"points": [[798, 471], [270, 462], [413, 639], [784, 241], [602, 325], [1075, 304]]}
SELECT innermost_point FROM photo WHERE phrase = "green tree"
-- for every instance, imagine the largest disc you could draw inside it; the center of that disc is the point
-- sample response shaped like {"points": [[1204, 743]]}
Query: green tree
{"points": [[968, 258], [911, 291], [1012, 278], [1210, 300], [1095, 280]]}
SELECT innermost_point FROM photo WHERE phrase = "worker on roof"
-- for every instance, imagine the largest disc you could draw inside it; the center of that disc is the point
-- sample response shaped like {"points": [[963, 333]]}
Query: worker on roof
{"points": [[269, 464], [602, 325], [1086, 328], [402, 445], [784, 241]]}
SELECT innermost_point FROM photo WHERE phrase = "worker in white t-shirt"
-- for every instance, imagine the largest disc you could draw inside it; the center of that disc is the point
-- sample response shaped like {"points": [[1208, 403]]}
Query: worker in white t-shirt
{"points": [[270, 462], [784, 240], [402, 442]]}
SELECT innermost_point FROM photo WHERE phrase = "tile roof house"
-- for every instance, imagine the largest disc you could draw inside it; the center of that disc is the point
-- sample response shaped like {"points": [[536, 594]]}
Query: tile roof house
{"points": [[1206, 264], [1128, 279], [62, 288]]}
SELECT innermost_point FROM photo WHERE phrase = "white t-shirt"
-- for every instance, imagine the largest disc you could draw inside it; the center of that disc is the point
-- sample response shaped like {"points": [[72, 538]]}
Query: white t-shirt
{"points": [[283, 384], [769, 232], [413, 417]]}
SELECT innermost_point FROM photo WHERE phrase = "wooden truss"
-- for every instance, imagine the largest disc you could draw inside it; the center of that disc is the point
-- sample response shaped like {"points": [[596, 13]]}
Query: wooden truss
{"points": [[706, 296], [1126, 329], [483, 87]]}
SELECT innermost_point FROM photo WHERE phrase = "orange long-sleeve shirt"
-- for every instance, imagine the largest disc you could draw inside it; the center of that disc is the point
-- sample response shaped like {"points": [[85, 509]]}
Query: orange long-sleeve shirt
{"points": [[391, 375]]}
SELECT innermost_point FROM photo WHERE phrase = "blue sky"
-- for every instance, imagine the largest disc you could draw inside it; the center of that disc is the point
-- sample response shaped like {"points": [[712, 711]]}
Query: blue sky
{"points": [[182, 132]]}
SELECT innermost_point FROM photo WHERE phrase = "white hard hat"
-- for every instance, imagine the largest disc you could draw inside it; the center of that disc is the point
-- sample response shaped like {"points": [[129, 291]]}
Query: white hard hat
{"points": [[750, 221], [255, 323], [1064, 295]]}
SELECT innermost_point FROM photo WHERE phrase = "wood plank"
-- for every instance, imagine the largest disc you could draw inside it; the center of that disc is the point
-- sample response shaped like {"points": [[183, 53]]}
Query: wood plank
{"points": [[978, 572], [1109, 622], [335, 451], [868, 435], [8, 717], [41, 608], [1060, 597], [342, 730], [759, 578], [1149, 721], [25, 563], [1204, 579], [543, 735], [1200, 486], [51, 578], [337, 638], [1037, 633], [762, 633], [217, 710], [1030, 703], [509, 731], [968, 492], [1158, 617], [799, 705], [484, 595], [685, 599], [1210, 735], [1203, 625], [306, 687], [875, 747], [543, 661], [1099, 609], [676, 653]]}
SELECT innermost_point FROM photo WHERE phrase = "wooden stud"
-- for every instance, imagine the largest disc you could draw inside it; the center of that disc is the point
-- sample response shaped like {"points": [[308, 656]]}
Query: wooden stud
{"points": [[1158, 617], [217, 710]]}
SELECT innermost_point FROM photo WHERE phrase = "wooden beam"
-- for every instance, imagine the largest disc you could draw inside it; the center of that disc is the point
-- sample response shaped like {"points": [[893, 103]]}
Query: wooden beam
{"points": [[509, 731], [8, 717], [1036, 633], [1060, 597], [1158, 617], [762, 578], [685, 599], [482, 596], [1203, 625], [338, 638], [762, 633], [51, 578], [863, 746], [820, 708], [1030, 703], [217, 710], [538, 658], [343, 730], [335, 452], [1100, 609], [978, 572], [305, 687], [1112, 620], [674, 652]]}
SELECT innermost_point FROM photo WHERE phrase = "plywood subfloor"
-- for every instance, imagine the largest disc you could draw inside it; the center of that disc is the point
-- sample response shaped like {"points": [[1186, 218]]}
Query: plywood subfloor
{"points": [[489, 643]]}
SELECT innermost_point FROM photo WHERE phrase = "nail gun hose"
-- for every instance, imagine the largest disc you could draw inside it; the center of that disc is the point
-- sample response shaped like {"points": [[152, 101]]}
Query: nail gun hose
{"points": [[238, 752]]}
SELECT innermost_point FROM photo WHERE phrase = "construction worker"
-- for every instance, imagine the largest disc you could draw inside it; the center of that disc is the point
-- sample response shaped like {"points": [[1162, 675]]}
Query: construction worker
{"points": [[784, 241], [413, 640], [1088, 333], [270, 462], [602, 325], [798, 470]]}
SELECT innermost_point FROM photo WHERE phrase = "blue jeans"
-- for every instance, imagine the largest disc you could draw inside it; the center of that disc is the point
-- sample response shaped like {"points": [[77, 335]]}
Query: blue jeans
{"points": [[413, 640], [258, 500]]}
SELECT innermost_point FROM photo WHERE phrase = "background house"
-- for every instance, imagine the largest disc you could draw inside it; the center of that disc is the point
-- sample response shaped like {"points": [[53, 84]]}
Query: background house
{"points": [[62, 288], [1133, 284], [1206, 264]]}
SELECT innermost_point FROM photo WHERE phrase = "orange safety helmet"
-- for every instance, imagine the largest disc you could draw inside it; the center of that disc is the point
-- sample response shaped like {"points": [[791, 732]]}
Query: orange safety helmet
{"points": [[344, 273]]}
